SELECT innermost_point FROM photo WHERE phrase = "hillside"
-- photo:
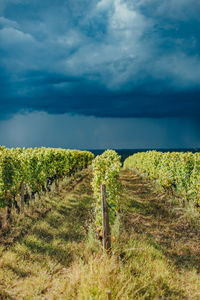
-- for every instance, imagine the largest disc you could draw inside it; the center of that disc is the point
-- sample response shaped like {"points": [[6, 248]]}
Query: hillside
{"points": [[53, 253]]}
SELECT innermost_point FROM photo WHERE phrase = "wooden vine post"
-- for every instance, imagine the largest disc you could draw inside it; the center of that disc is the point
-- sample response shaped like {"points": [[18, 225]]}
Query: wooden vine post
{"points": [[22, 196], [108, 292], [105, 221]]}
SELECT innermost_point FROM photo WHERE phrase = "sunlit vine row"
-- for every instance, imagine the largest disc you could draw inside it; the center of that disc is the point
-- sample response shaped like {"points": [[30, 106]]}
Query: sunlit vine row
{"points": [[106, 168], [36, 168], [175, 171]]}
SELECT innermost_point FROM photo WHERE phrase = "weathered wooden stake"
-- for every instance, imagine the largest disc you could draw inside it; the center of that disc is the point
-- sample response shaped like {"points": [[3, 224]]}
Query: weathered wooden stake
{"points": [[22, 197], [16, 205], [9, 208], [108, 294], [105, 218]]}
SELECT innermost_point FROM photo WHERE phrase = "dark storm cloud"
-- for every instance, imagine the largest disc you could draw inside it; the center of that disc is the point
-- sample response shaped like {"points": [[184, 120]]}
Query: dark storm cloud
{"points": [[108, 58]]}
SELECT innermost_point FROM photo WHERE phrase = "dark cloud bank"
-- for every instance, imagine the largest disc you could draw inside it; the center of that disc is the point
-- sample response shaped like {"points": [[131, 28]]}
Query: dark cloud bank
{"points": [[108, 58]]}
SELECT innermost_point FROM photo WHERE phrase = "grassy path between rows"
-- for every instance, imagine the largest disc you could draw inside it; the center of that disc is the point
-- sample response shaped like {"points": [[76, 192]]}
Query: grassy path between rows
{"points": [[48, 240], [169, 241], [53, 253]]}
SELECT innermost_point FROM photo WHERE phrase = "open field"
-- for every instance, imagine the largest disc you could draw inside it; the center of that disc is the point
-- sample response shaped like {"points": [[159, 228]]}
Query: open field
{"points": [[53, 252]]}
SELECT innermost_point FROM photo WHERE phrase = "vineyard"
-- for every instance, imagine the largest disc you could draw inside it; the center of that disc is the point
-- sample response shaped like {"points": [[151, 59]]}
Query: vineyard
{"points": [[53, 244]]}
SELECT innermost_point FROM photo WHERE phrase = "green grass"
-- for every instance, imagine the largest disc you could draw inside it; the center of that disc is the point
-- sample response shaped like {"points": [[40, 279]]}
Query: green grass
{"points": [[46, 243], [55, 254]]}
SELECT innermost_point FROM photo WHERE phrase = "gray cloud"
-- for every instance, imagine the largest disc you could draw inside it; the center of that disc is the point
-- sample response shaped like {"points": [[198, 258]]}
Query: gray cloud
{"points": [[108, 58]]}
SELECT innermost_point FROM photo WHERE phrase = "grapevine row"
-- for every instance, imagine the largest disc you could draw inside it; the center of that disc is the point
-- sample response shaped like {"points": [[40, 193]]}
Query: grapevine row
{"points": [[35, 169], [106, 168], [175, 171]]}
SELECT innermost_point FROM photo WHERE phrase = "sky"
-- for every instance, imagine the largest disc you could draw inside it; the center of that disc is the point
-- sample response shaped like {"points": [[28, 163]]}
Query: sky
{"points": [[93, 74]]}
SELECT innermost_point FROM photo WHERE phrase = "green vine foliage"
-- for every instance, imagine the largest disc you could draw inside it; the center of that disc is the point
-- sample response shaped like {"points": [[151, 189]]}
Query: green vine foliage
{"points": [[106, 168], [35, 167], [173, 171]]}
